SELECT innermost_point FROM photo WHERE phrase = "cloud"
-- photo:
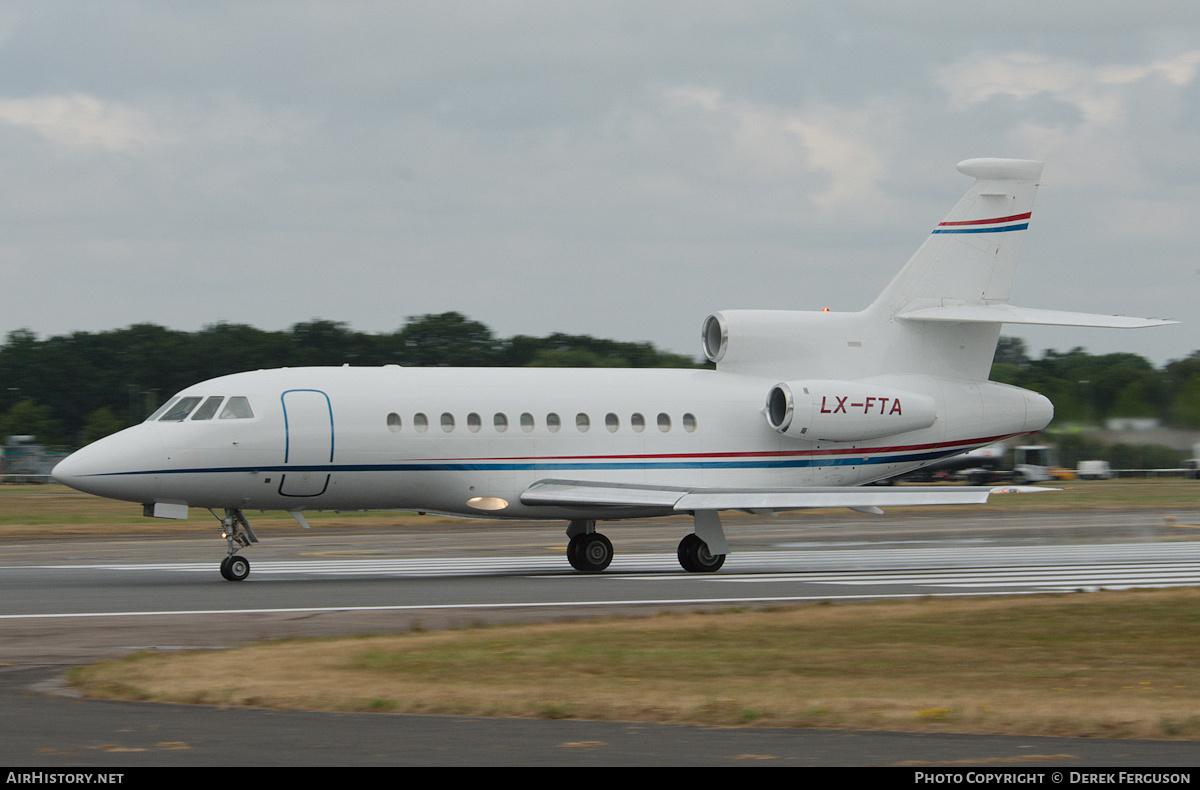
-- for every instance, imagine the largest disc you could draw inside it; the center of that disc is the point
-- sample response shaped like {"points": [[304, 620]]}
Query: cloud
{"points": [[80, 121], [1179, 71], [1093, 120], [1101, 93], [1023, 75], [837, 145]]}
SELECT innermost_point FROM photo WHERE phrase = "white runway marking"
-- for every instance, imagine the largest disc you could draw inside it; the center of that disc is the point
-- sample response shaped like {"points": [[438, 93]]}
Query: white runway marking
{"points": [[1107, 576], [477, 606], [1051, 568]]}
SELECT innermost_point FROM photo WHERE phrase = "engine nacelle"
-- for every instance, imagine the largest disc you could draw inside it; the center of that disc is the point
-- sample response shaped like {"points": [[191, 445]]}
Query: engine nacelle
{"points": [[778, 342], [846, 411]]}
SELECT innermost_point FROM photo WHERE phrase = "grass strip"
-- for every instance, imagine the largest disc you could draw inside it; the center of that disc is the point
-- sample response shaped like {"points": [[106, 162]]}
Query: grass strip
{"points": [[1111, 664]]}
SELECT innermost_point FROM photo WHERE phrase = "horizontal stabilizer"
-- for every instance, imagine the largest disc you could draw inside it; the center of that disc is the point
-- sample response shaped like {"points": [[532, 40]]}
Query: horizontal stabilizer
{"points": [[1008, 314], [570, 493]]}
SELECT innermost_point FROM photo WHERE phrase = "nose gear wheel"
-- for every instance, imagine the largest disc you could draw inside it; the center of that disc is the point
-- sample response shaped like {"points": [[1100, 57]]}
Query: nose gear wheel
{"points": [[238, 535]]}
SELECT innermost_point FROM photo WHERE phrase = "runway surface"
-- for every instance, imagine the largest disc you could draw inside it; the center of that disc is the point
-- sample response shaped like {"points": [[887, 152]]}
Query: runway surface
{"points": [[68, 601]]}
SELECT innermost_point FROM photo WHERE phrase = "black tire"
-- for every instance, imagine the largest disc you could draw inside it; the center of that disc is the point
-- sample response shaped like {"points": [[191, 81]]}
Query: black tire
{"points": [[695, 557], [235, 568], [593, 553], [573, 552], [684, 552]]}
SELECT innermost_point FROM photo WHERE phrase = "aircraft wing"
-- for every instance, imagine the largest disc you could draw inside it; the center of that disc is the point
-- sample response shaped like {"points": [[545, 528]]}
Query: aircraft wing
{"points": [[579, 493], [1008, 314]]}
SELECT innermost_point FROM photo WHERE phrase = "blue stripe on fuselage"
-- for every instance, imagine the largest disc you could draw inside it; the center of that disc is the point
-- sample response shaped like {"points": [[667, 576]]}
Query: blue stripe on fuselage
{"points": [[549, 466]]}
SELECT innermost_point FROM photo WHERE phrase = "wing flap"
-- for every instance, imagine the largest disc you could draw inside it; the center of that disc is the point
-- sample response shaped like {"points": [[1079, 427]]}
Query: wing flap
{"points": [[575, 493], [796, 499]]}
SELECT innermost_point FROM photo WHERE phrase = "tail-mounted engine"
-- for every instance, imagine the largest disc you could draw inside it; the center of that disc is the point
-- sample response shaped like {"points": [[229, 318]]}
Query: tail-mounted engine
{"points": [[773, 342], [846, 411]]}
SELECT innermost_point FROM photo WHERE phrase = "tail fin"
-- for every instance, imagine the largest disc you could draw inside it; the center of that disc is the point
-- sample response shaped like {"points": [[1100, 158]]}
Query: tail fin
{"points": [[940, 316], [953, 293], [971, 257]]}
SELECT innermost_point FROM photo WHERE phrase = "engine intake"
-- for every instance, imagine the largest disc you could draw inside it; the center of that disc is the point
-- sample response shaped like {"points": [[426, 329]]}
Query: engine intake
{"points": [[715, 337], [846, 411]]}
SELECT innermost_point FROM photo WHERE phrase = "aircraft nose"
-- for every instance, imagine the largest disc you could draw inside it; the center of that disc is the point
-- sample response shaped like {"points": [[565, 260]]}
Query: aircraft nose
{"points": [[120, 466], [63, 472], [73, 469]]}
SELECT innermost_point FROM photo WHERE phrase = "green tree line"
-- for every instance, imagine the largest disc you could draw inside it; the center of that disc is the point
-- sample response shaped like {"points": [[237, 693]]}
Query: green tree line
{"points": [[1090, 389], [73, 389]]}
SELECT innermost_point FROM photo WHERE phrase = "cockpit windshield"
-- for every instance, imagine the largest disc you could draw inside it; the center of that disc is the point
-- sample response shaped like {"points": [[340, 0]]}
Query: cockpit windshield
{"points": [[178, 408], [182, 408], [162, 409], [208, 408], [238, 408]]}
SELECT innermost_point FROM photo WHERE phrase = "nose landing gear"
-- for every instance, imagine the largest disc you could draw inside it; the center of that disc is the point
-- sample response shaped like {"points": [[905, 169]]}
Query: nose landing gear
{"points": [[238, 535]]}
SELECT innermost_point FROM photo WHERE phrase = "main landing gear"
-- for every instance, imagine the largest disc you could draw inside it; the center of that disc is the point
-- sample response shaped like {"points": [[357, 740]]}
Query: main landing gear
{"points": [[588, 551], [703, 551], [238, 535], [695, 556]]}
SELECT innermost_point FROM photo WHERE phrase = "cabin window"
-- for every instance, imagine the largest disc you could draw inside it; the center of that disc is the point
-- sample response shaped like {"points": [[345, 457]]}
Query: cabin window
{"points": [[582, 422], [664, 422], [689, 422], [553, 423], [612, 422], [393, 422], [180, 411], [500, 421], [447, 422], [237, 408], [637, 422], [420, 422], [526, 422], [208, 409], [474, 422]]}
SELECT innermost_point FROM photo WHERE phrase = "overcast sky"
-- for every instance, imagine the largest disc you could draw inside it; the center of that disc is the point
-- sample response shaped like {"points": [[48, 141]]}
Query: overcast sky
{"points": [[618, 169]]}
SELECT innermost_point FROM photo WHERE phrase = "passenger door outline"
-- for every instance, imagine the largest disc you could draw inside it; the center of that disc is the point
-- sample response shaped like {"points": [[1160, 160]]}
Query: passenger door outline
{"points": [[308, 442]]}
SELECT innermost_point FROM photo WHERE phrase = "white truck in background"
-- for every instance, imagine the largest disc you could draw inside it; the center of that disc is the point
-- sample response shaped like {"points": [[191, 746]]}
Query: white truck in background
{"points": [[1094, 470], [1036, 463]]}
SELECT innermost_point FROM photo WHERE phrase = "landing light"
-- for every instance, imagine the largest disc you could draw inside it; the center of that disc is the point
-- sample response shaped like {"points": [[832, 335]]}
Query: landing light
{"points": [[487, 503]]}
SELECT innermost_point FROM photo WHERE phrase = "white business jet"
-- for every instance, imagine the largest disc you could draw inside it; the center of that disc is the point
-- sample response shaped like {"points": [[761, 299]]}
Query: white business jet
{"points": [[801, 410]]}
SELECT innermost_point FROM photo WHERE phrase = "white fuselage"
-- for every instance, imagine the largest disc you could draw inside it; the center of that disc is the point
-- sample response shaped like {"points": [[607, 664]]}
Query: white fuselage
{"points": [[471, 440]]}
